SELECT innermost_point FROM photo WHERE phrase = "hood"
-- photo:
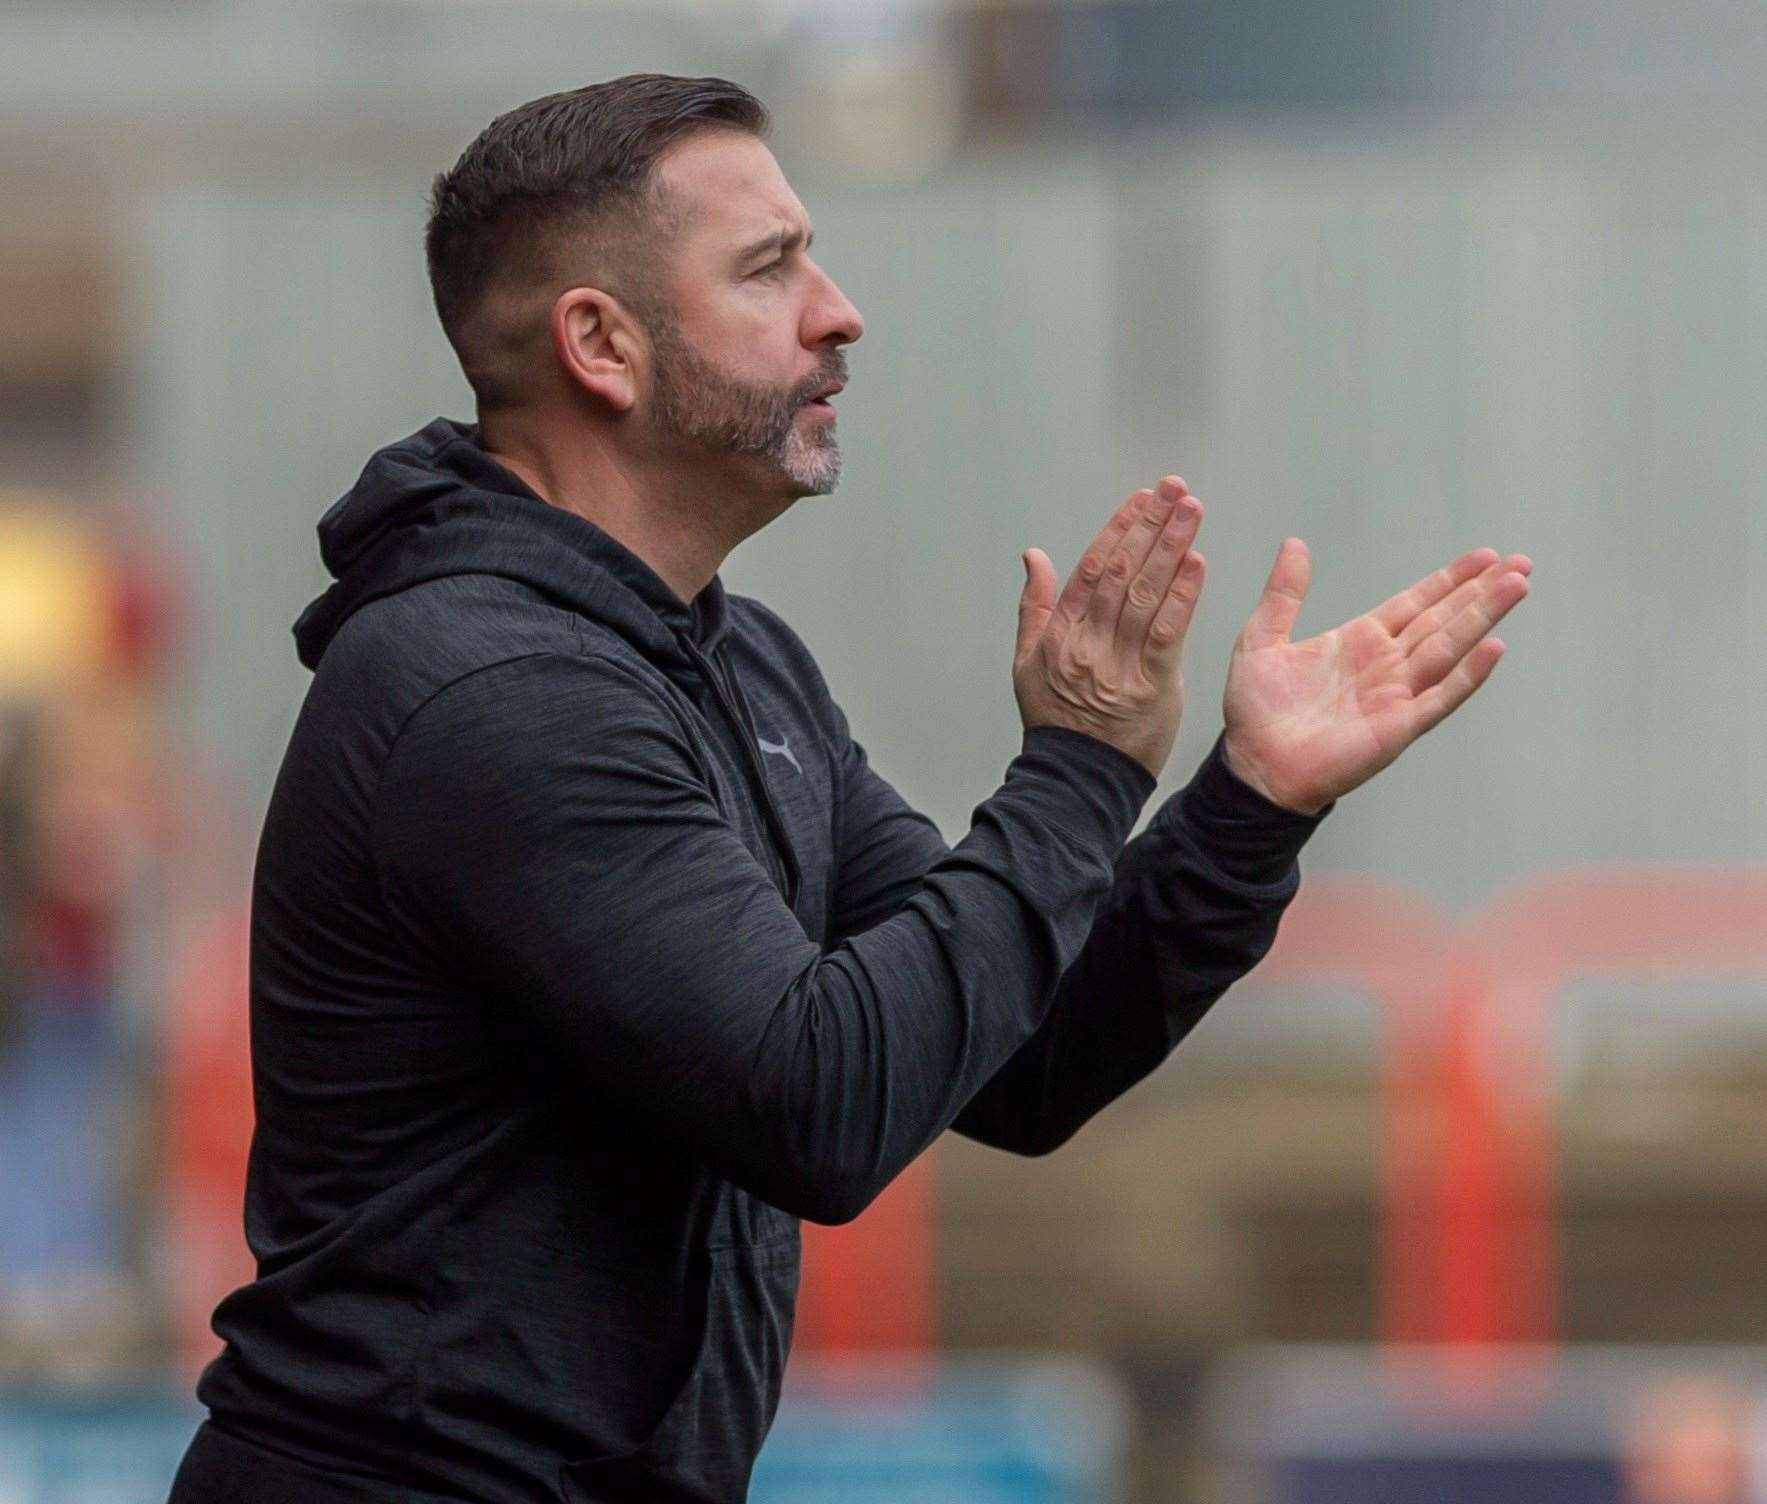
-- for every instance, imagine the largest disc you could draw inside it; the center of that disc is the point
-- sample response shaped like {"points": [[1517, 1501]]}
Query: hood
{"points": [[435, 504]]}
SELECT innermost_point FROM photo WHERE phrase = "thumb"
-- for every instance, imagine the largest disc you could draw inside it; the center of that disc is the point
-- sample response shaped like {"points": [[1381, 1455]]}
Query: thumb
{"points": [[1036, 601], [1274, 617]]}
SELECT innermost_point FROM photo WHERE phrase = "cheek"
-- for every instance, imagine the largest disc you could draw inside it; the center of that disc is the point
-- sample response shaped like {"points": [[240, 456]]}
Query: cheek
{"points": [[756, 332]]}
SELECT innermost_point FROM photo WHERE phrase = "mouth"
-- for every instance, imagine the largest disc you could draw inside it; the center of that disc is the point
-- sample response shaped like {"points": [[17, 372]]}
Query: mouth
{"points": [[824, 397]]}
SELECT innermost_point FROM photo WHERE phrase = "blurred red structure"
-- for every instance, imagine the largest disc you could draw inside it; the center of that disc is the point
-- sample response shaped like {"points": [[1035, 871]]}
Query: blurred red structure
{"points": [[1468, 1216], [868, 1285], [1394, 945], [209, 1095], [1511, 964], [1469, 1213]]}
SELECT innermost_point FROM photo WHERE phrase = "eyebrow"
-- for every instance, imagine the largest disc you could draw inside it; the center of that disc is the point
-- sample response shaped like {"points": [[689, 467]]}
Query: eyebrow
{"points": [[780, 239]]}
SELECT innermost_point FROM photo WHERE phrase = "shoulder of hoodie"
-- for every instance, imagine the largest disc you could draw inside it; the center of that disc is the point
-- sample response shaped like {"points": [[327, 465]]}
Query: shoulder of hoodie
{"points": [[420, 638], [427, 643]]}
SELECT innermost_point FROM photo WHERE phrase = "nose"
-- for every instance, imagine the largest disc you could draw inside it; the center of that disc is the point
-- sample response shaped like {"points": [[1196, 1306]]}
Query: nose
{"points": [[831, 318]]}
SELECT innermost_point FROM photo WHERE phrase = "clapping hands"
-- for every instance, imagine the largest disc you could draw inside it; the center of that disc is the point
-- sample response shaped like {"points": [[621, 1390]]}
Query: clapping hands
{"points": [[1308, 721]]}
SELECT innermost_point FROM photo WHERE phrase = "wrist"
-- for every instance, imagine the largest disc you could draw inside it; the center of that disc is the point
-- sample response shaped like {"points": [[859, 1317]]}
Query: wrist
{"points": [[1235, 827], [1251, 773]]}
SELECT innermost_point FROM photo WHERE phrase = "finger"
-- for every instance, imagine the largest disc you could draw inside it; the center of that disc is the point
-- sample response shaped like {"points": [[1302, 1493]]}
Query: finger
{"points": [[1437, 655], [1036, 601], [1273, 618], [1170, 624], [1397, 613], [1435, 705], [1090, 570], [1425, 623], [1147, 591], [1105, 608]]}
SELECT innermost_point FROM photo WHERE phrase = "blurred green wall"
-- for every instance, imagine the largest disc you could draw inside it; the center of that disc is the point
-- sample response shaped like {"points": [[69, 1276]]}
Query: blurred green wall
{"points": [[1396, 344]]}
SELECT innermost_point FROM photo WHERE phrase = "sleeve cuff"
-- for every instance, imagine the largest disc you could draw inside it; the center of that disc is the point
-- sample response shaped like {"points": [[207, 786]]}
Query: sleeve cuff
{"points": [[1250, 838], [1087, 785]]}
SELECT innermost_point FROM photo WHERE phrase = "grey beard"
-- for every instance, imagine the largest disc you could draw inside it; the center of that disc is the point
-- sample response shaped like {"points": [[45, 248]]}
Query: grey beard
{"points": [[692, 399]]}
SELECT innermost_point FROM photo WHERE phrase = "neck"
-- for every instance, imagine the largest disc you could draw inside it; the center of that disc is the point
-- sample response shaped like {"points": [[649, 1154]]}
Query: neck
{"points": [[682, 525]]}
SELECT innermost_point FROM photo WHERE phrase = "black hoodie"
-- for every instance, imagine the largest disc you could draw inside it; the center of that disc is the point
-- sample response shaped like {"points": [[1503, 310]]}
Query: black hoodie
{"points": [[588, 956]]}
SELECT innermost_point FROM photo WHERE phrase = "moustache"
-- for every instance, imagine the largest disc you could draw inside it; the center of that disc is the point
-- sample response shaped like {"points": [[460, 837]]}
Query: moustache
{"points": [[831, 370]]}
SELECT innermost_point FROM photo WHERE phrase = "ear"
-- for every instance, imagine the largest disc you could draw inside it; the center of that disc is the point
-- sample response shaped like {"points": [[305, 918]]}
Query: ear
{"points": [[597, 344]]}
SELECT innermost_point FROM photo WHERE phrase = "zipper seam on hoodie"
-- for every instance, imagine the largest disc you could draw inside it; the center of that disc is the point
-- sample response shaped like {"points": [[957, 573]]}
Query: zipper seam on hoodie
{"points": [[729, 703], [794, 874]]}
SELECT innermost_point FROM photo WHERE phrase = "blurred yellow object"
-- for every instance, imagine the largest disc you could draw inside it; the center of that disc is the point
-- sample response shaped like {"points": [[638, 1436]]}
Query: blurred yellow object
{"points": [[56, 599]]}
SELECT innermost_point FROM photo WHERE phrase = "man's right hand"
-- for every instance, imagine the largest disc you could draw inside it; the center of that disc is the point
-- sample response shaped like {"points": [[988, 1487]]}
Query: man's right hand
{"points": [[1107, 657]]}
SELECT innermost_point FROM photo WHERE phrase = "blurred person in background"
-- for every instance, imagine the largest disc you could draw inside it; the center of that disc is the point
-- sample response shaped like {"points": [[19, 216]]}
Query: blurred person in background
{"points": [[589, 954], [79, 800], [15, 824], [1693, 1439]]}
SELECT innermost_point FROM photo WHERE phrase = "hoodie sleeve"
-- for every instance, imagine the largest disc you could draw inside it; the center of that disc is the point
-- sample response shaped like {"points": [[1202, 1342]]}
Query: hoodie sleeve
{"points": [[544, 833], [1194, 904]]}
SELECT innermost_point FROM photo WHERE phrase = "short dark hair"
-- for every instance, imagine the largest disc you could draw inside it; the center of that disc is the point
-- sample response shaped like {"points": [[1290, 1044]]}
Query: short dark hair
{"points": [[567, 164]]}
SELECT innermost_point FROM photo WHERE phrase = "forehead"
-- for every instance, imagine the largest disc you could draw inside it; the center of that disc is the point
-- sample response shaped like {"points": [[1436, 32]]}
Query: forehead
{"points": [[729, 188]]}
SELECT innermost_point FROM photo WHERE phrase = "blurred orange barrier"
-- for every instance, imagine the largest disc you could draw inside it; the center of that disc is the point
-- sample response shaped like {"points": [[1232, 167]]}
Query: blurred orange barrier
{"points": [[1467, 1239], [1516, 957], [868, 1285], [209, 1101], [1395, 945]]}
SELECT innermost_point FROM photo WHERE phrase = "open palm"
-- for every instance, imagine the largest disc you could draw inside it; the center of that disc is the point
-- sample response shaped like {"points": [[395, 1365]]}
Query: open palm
{"points": [[1309, 721]]}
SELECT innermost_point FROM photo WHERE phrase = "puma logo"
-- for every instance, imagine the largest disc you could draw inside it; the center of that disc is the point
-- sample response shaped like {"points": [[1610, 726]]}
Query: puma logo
{"points": [[779, 749]]}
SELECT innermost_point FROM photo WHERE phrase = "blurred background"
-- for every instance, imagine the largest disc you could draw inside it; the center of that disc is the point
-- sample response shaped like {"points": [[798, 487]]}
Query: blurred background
{"points": [[1463, 1195]]}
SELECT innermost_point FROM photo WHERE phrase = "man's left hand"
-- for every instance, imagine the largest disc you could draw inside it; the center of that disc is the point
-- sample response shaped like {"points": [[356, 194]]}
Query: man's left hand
{"points": [[1309, 721]]}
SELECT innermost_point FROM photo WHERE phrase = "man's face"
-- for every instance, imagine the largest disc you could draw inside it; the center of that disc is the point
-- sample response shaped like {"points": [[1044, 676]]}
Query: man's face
{"points": [[750, 332]]}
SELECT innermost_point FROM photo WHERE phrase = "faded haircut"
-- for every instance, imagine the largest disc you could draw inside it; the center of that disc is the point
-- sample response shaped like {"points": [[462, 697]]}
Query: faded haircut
{"points": [[560, 185]]}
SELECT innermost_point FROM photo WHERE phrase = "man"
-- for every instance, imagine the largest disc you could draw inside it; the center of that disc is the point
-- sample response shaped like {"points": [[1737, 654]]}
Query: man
{"points": [[590, 955]]}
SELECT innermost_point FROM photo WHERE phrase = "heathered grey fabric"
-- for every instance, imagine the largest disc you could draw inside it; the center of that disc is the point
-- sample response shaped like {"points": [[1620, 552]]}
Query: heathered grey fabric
{"points": [[588, 956]]}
